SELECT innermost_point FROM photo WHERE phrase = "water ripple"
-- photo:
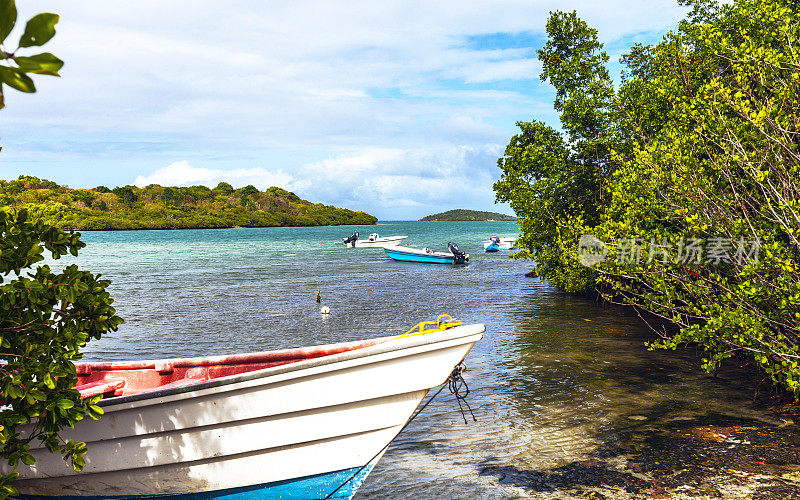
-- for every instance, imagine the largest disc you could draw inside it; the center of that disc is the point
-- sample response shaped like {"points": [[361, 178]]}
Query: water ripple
{"points": [[551, 381]]}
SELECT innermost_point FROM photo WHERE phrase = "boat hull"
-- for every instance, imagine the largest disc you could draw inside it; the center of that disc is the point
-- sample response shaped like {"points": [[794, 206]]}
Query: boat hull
{"points": [[380, 242], [291, 431], [317, 486], [414, 255], [505, 244]]}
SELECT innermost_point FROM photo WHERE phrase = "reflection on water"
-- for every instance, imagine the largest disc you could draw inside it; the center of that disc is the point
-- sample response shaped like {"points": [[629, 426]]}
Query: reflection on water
{"points": [[555, 377]]}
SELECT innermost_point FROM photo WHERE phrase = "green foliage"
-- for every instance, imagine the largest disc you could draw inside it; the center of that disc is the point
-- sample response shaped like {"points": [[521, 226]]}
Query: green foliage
{"points": [[556, 186], [45, 319], [725, 163], [247, 190], [158, 207], [282, 193], [467, 215], [16, 68], [125, 194], [698, 143], [223, 188], [39, 30]]}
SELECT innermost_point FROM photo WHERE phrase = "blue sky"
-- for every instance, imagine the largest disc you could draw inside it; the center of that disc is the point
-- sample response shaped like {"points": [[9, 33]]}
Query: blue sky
{"points": [[399, 109]]}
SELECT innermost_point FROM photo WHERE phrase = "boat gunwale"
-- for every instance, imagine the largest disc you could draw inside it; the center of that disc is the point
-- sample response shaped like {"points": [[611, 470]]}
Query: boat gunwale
{"points": [[392, 343]]}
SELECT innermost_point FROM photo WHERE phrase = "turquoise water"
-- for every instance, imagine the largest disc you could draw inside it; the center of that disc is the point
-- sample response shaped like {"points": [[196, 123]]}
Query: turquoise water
{"points": [[555, 378], [196, 292]]}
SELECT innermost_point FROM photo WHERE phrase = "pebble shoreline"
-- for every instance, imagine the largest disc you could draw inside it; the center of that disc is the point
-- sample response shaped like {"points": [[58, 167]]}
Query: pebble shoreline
{"points": [[680, 460]]}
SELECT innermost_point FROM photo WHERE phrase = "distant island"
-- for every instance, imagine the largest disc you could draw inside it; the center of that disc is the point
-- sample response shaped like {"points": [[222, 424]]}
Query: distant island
{"points": [[467, 215], [159, 207]]}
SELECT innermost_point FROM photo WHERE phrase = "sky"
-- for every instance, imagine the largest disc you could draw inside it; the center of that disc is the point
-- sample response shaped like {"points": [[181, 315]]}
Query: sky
{"points": [[396, 108]]}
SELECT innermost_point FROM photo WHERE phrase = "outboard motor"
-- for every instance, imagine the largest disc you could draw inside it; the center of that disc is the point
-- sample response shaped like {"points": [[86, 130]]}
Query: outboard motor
{"points": [[458, 255], [351, 239], [496, 240]]}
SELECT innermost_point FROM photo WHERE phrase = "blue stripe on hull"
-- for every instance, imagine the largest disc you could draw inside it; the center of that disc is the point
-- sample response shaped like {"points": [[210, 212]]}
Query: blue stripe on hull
{"points": [[305, 488], [411, 257]]}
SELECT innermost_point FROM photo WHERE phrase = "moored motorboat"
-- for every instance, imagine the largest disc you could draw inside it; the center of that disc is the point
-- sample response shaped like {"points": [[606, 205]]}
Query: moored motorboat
{"points": [[374, 240], [505, 243], [428, 256], [298, 423]]}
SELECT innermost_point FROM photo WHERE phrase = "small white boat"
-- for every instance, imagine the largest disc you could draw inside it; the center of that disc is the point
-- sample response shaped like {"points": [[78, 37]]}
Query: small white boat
{"points": [[506, 243], [373, 241], [298, 423]]}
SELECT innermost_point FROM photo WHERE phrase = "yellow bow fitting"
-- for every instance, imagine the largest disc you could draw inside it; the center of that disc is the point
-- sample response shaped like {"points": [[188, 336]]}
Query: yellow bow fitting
{"points": [[438, 326]]}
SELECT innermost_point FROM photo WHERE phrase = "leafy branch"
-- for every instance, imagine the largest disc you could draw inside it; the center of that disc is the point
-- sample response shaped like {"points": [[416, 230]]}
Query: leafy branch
{"points": [[15, 69]]}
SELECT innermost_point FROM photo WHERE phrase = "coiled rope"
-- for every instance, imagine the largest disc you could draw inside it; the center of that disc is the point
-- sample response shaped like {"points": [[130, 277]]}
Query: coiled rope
{"points": [[457, 386]]}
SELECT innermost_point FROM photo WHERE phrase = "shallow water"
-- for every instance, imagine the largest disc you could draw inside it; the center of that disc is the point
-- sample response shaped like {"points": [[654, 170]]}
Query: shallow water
{"points": [[555, 378]]}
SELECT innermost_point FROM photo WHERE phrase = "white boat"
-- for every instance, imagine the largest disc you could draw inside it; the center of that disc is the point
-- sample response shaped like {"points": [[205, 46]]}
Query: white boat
{"points": [[373, 241], [299, 423], [506, 243]]}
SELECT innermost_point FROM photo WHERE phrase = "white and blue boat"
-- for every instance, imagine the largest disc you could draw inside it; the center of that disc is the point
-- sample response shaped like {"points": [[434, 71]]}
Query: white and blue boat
{"points": [[504, 243], [494, 244], [374, 240], [306, 423], [428, 256]]}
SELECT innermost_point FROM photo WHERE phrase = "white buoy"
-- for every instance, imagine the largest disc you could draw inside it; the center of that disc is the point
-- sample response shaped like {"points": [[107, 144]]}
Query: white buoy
{"points": [[325, 310]]}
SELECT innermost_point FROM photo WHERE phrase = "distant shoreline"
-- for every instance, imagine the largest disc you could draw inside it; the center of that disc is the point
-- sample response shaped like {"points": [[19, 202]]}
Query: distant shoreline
{"points": [[155, 207], [205, 228], [464, 215], [262, 227]]}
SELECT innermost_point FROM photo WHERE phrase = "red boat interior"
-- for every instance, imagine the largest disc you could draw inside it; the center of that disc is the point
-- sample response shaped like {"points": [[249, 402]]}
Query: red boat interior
{"points": [[134, 377]]}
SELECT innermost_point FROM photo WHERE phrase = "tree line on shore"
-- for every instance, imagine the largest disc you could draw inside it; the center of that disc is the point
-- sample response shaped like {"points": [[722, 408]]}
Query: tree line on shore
{"points": [[461, 214], [677, 188], [160, 207]]}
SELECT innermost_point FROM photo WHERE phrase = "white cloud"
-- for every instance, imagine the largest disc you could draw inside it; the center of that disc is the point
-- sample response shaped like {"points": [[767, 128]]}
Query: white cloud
{"points": [[301, 73], [389, 183], [390, 95], [518, 69], [395, 183], [181, 173]]}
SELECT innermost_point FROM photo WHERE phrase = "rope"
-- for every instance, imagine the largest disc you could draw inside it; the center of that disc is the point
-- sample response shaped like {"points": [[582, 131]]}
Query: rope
{"points": [[453, 384], [456, 383]]}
